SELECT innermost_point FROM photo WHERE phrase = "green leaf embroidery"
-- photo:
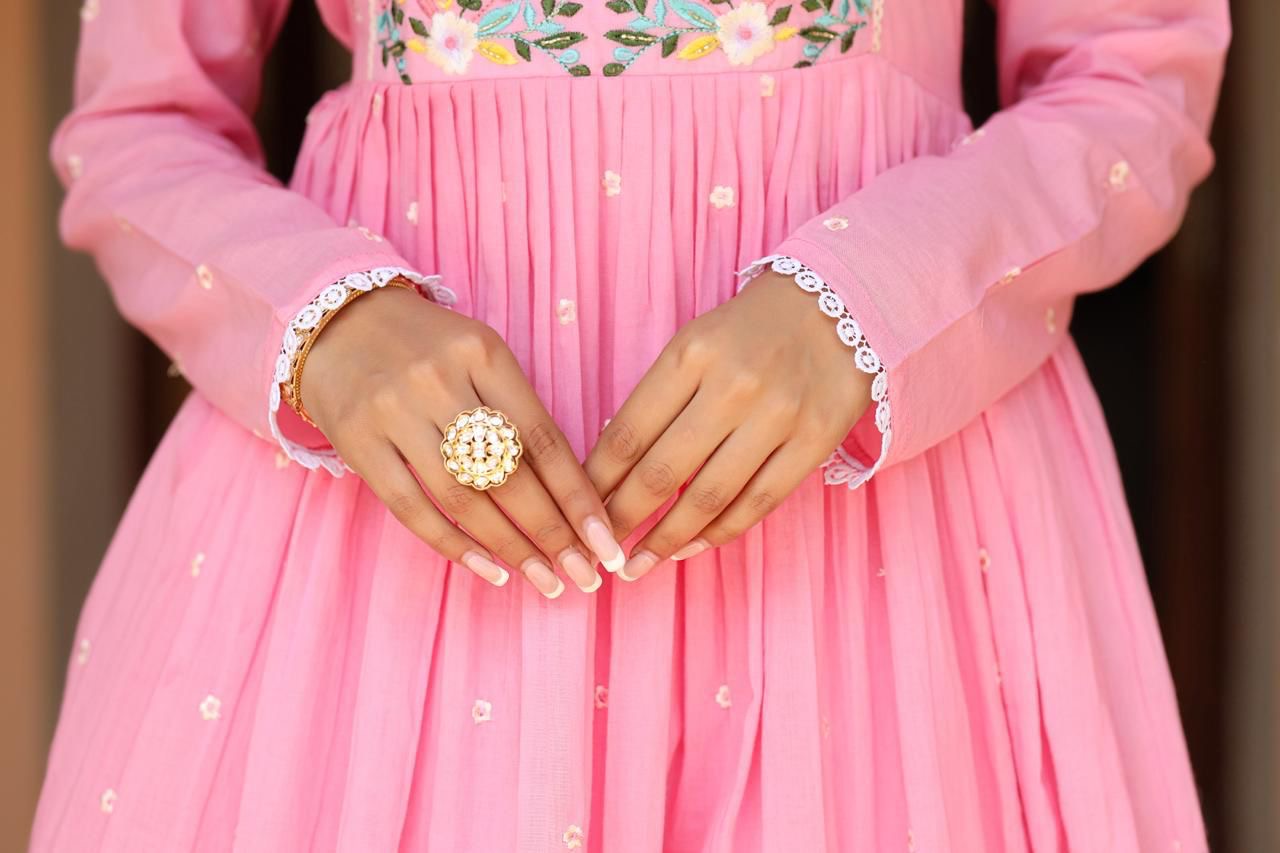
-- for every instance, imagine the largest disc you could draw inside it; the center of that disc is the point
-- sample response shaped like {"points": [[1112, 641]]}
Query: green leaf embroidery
{"points": [[812, 5], [804, 63], [631, 38], [471, 5], [559, 41], [397, 14], [622, 7], [780, 16], [419, 27], [548, 6], [613, 69], [846, 40], [580, 71], [820, 35], [640, 6], [568, 10], [669, 44], [522, 49]]}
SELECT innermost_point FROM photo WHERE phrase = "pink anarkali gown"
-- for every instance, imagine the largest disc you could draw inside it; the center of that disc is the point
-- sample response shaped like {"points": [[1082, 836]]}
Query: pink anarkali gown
{"points": [[958, 654]]}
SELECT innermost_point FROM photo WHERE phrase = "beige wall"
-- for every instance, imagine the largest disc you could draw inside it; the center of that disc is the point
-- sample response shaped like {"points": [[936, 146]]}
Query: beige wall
{"points": [[27, 666]]}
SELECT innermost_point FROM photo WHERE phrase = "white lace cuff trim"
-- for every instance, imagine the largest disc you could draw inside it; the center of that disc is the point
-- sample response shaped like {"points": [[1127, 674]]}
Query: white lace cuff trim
{"points": [[329, 299], [840, 468]]}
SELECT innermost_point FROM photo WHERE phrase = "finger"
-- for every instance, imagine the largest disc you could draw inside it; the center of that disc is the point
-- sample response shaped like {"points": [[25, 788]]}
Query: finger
{"points": [[662, 393], [686, 444], [472, 509], [711, 491], [387, 476], [503, 386], [788, 467], [526, 502]]}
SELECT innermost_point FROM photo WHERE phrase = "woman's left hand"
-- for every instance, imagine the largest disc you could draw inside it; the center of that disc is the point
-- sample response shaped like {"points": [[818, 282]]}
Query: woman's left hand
{"points": [[747, 399]]}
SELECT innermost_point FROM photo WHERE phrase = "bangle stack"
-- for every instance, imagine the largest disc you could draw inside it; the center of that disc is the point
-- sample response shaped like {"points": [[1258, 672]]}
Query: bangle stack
{"points": [[291, 387]]}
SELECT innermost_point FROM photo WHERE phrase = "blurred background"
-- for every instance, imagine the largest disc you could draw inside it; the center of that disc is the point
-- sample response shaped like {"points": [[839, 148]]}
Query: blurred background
{"points": [[1184, 354]]}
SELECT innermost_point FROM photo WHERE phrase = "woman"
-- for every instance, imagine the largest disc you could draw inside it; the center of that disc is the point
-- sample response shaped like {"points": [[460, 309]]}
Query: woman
{"points": [[942, 641]]}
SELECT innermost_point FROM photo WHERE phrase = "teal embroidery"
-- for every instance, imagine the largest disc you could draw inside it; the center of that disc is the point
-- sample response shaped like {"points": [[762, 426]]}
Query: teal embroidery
{"points": [[452, 39], [690, 30]]}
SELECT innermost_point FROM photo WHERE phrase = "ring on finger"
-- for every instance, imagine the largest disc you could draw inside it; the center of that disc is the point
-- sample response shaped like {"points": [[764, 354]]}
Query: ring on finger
{"points": [[481, 448]]}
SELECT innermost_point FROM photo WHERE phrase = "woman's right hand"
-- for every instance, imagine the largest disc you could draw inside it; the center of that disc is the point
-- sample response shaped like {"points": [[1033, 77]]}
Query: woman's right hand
{"points": [[384, 378]]}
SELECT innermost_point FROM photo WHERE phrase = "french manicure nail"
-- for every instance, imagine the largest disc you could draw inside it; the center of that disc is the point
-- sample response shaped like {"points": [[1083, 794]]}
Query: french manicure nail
{"points": [[543, 579], [486, 568], [582, 572], [638, 566], [603, 543], [697, 546]]}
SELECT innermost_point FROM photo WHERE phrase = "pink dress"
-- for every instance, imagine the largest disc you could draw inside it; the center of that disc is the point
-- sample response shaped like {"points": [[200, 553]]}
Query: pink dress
{"points": [[958, 655]]}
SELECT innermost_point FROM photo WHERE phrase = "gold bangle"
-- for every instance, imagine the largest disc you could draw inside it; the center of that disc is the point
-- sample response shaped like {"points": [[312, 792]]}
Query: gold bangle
{"points": [[291, 391]]}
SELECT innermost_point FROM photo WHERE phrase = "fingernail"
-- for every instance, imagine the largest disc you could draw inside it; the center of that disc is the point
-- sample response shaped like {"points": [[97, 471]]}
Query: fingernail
{"points": [[543, 579], [486, 568], [603, 543], [638, 566], [581, 571], [697, 546]]}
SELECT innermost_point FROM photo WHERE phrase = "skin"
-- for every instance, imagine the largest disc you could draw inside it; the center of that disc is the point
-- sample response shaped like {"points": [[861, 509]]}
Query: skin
{"points": [[744, 403]]}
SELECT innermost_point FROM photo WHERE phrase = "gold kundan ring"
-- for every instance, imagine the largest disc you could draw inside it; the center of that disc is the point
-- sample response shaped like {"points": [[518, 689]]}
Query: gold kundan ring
{"points": [[481, 448]]}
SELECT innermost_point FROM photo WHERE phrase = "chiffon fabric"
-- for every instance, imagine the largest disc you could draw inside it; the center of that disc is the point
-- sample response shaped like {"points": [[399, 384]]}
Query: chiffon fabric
{"points": [[958, 655]]}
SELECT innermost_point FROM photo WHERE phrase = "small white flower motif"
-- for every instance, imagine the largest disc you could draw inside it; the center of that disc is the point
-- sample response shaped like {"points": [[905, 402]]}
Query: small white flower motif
{"points": [[82, 652], [602, 697], [573, 837], [210, 708], [1009, 276], [745, 33], [205, 276], [612, 183], [481, 711], [722, 696], [196, 562], [75, 166], [412, 213], [767, 85], [368, 235], [984, 559], [881, 572], [452, 42], [567, 311], [378, 100], [1118, 177], [107, 802], [722, 197], [835, 223], [282, 461], [1050, 321], [89, 11]]}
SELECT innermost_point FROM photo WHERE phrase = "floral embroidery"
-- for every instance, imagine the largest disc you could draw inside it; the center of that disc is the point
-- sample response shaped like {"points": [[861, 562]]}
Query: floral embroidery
{"points": [[107, 802], [482, 711], [452, 40], [767, 85], [573, 837], [722, 697], [196, 562], [690, 30], [210, 708], [567, 311], [82, 652], [722, 197], [612, 183], [602, 696]]}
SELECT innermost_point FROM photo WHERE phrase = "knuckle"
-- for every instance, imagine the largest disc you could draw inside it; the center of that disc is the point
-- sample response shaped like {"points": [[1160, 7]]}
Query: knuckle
{"points": [[427, 373], [404, 506], [457, 499], [658, 478], [541, 443], [694, 349], [743, 385], [622, 442], [385, 400], [708, 499], [762, 501], [550, 532]]}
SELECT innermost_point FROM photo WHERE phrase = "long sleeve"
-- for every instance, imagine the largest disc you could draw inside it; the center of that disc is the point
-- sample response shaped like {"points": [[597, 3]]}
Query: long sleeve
{"points": [[956, 273], [204, 251]]}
